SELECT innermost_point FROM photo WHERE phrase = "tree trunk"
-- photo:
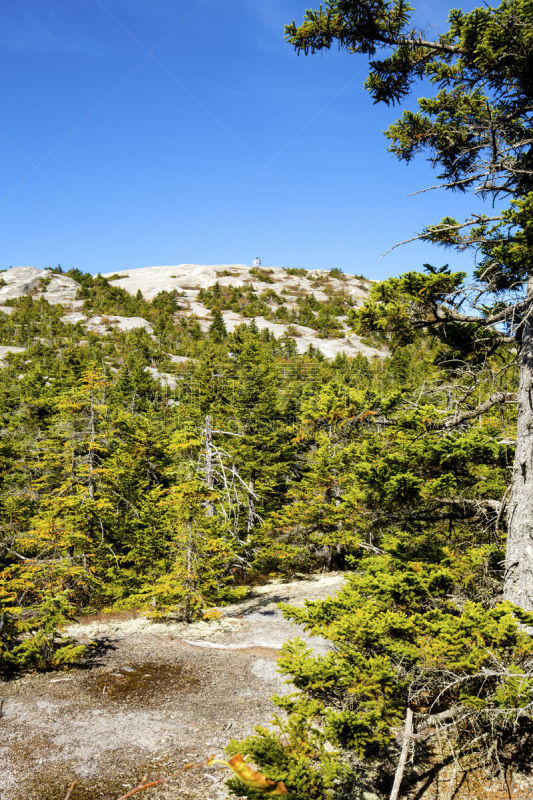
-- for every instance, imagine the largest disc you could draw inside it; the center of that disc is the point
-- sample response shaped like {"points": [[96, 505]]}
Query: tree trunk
{"points": [[250, 522], [91, 447], [518, 585], [209, 466], [190, 578]]}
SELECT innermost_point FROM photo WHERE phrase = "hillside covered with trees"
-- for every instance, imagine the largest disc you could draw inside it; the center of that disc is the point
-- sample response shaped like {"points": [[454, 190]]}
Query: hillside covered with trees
{"points": [[169, 471], [170, 466], [146, 465]]}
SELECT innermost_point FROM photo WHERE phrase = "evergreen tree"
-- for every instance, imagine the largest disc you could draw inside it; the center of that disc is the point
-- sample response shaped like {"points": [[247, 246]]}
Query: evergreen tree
{"points": [[261, 450], [420, 616], [217, 329], [477, 129]]}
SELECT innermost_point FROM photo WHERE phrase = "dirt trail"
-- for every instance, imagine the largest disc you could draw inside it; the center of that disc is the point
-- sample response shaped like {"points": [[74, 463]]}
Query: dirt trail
{"points": [[155, 697]]}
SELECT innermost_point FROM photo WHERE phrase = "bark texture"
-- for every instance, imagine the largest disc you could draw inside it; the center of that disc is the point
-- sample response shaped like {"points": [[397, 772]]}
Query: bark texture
{"points": [[518, 585]]}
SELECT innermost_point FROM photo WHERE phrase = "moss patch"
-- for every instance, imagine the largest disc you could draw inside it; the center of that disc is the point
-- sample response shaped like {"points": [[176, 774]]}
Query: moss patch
{"points": [[140, 683]]}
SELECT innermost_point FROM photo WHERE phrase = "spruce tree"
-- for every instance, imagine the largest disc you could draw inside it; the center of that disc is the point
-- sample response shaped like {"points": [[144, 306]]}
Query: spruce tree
{"points": [[419, 622], [217, 329], [262, 448], [477, 130]]}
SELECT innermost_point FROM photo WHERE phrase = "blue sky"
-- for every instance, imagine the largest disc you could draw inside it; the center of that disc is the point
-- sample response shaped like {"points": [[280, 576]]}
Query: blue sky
{"points": [[135, 133]]}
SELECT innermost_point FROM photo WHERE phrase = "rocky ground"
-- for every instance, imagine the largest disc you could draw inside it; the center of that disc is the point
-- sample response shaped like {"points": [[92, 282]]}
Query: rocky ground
{"points": [[154, 697]]}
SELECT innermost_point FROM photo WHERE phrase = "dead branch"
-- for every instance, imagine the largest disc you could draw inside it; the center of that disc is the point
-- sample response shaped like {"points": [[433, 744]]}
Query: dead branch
{"points": [[148, 785], [446, 185], [70, 789], [446, 314], [492, 505], [418, 41], [443, 229], [458, 419], [484, 674], [431, 720], [407, 737]]}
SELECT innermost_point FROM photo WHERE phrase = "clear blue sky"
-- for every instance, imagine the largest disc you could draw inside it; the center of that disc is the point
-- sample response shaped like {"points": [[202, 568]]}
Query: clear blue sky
{"points": [[138, 132]]}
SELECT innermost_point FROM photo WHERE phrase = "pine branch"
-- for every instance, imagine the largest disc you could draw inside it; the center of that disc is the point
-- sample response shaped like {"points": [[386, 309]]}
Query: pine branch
{"points": [[444, 228]]}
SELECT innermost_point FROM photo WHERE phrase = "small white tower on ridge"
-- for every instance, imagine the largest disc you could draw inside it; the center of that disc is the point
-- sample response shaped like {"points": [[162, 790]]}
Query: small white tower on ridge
{"points": [[256, 262]]}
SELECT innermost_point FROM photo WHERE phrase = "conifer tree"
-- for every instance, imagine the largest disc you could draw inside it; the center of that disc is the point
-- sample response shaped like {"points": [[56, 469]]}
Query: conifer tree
{"points": [[477, 130], [262, 448], [217, 329], [419, 622]]}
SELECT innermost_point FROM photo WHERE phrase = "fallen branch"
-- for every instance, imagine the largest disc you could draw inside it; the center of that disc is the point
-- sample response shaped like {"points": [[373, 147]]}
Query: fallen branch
{"points": [[407, 737], [144, 785], [70, 789]]}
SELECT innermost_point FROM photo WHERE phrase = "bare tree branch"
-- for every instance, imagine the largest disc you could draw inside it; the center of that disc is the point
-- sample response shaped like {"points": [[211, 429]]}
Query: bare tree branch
{"points": [[407, 737], [70, 790], [147, 785], [444, 228], [493, 505], [464, 416]]}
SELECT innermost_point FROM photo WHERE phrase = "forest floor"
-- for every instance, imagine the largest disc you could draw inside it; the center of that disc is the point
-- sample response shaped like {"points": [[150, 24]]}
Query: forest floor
{"points": [[153, 697]]}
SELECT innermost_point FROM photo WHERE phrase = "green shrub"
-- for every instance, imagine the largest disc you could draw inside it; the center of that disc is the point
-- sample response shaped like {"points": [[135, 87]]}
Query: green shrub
{"points": [[261, 274], [399, 639]]}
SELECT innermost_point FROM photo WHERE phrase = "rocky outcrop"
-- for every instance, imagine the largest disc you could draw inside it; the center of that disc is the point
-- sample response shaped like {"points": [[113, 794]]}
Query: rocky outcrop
{"points": [[188, 280], [106, 323], [5, 350], [33, 282]]}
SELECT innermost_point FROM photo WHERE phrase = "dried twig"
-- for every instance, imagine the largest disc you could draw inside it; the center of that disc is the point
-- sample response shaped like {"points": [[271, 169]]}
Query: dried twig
{"points": [[70, 789], [144, 785]]}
